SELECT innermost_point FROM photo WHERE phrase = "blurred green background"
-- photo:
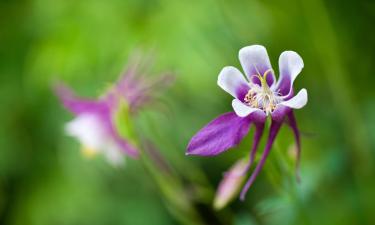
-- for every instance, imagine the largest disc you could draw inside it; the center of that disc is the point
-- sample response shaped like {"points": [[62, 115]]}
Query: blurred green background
{"points": [[45, 180]]}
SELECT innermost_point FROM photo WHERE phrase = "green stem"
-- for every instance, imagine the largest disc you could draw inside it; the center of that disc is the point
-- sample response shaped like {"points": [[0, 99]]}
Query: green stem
{"points": [[170, 186], [174, 194]]}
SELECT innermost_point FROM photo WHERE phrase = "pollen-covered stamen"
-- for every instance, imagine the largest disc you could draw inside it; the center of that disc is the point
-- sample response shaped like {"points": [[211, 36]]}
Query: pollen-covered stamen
{"points": [[262, 97]]}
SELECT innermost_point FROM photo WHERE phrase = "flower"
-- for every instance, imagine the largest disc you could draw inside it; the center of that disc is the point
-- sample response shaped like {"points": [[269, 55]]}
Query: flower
{"points": [[94, 125], [256, 97]]}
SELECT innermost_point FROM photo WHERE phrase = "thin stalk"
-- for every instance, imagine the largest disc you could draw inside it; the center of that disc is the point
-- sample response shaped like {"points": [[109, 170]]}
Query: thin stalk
{"points": [[170, 186]]}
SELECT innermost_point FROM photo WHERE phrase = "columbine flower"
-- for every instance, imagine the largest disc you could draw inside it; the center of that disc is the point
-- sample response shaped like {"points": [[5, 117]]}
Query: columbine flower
{"points": [[256, 96], [94, 125]]}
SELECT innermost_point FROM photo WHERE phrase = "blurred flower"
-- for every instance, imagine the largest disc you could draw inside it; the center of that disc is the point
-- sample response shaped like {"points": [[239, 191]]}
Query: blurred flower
{"points": [[257, 96], [230, 184], [95, 123]]}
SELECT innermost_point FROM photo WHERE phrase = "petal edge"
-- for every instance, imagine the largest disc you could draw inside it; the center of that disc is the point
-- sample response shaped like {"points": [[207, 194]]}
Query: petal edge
{"points": [[290, 65], [233, 81], [241, 109], [298, 101], [254, 59]]}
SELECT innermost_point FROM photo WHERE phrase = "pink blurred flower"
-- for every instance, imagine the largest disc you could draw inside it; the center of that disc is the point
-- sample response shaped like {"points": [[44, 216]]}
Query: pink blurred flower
{"points": [[94, 123]]}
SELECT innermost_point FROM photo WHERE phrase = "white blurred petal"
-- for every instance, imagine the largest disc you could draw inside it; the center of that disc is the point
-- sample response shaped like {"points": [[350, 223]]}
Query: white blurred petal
{"points": [[93, 136], [114, 154], [88, 129]]}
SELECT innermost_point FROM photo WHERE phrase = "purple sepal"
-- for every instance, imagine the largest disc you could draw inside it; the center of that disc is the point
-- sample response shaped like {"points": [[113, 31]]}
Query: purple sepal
{"points": [[224, 132], [73, 103], [275, 127]]}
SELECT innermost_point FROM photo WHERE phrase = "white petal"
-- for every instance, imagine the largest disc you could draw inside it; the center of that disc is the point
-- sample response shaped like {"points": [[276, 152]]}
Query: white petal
{"points": [[290, 65], [232, 81], [298, 101], [254, 59], [292, 62], [241, 109], [89, 131]]}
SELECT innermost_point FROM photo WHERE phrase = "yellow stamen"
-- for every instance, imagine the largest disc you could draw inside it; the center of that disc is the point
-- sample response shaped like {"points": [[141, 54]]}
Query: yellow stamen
{"points": [[266, 73], [262, 97], [88, 152], [263, 80]]}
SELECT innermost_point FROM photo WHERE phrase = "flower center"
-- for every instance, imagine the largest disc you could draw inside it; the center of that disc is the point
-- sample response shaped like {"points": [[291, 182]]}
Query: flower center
{"points": [[262, 96]]}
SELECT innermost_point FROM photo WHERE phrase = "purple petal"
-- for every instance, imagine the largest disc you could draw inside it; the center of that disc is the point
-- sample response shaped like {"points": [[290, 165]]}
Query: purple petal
{"points": [[293, 125], [74, 104], [275, 126], [254, 60], [290, 65], [224, 132]]}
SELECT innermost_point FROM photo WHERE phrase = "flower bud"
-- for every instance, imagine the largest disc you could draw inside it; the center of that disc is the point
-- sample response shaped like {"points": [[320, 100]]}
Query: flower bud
{"points": [[230, 184]]}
